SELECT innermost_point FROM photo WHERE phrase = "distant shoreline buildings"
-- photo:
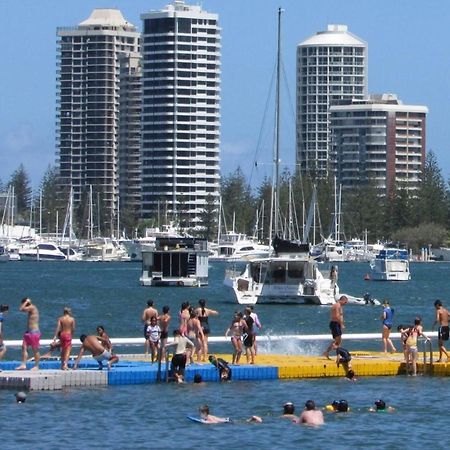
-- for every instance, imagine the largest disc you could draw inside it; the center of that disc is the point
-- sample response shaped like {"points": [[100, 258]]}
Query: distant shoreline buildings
{"points": [[138, 115]]}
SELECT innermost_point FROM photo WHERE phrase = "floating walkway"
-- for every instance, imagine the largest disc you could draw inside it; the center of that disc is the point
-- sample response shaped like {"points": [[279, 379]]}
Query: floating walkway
{"points": [[135, 369]]}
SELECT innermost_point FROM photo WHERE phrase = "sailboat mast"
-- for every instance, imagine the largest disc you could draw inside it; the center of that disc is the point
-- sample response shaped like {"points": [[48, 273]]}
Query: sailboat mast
{"points": [[277, 130]]}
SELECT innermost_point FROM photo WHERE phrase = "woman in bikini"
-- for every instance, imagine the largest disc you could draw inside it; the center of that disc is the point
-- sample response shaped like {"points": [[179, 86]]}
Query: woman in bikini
{"points": [[203, 313], [411, 346], [184, 317], [237, 329], [195, 334]]}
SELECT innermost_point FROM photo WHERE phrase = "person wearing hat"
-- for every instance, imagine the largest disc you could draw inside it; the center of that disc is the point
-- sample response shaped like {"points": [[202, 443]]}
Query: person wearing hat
{"points": [[288, 411], [338, 406], [442, 315], [386, 317]]}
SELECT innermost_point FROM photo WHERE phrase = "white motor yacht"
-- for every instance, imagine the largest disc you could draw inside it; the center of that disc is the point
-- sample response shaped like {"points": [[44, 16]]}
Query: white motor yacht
{"points": [[234, 247], [391, 264], [290, 276], [44, 251], [105, 250]]}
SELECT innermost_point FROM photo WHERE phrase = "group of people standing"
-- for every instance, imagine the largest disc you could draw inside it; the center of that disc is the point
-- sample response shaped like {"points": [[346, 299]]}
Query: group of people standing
{"points": [[191, 335], [409, 335], [98, 345], [243, 330]]}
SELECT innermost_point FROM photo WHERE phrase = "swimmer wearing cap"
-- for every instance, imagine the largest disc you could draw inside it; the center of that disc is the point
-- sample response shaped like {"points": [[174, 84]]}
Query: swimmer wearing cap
{"points": [[338, 406], [289, 411], [20, 397], [380, 407]]}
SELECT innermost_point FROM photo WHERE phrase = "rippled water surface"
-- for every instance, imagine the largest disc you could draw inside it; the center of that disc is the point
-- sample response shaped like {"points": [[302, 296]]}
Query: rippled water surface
{"points": [[154, 416]]}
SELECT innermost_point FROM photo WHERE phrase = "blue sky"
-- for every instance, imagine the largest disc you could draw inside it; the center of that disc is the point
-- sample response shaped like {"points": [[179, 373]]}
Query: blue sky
{"points": [[408, 55]]}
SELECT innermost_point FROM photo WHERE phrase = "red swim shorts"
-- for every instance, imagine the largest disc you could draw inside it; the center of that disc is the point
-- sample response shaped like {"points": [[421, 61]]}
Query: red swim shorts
{"points": [[31, 339], [66, 340]]}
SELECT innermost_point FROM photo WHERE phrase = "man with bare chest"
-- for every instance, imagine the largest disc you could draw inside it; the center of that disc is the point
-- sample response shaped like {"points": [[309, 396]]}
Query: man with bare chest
{"points": [[64, 330], [32, 335], [442, 316], [164, 321], [336, 324]]}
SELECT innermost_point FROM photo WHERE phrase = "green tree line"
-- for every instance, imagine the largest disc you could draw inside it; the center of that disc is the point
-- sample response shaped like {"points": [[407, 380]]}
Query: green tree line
{"points": [[413, 218]]}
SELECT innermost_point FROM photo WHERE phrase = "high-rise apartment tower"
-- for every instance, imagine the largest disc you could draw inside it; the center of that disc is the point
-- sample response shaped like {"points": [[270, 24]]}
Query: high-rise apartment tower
{"points": [[181, 47], [378, 140], [331, 65], [88, 90]]}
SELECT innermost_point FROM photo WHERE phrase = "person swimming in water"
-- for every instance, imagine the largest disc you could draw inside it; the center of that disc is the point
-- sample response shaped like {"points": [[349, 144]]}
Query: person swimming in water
{"points": [[338, 406], [289, 411], [206, 417], [311, 415], [380, 406], [222, 366]]}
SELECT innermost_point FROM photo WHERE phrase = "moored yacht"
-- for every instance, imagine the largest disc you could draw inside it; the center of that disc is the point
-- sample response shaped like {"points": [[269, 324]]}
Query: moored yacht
{"points": [[291, 275], [237, 247], [105, 250], [391, 264], [44, 251]]}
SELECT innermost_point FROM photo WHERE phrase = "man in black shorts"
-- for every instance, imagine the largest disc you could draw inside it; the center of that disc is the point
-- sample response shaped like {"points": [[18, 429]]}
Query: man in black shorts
{"points": [[442, 315], [336, 324]]}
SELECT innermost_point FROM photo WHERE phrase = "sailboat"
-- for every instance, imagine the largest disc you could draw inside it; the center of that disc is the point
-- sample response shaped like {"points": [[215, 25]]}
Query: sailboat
{"points": [[289, 274]]}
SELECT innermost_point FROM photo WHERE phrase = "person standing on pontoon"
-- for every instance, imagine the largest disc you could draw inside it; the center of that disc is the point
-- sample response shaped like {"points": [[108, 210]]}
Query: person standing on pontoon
{"points": [[147, 315], [412, 351], [32, 336], [386, 317], [256, 327], [64, 332], [442, 315], [237, 329], [3, 310], [203, 314], [164, 321], [336, 324]]}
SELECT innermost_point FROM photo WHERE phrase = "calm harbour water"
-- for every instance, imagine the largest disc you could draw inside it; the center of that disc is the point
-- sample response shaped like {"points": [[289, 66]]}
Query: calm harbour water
{"points": [[155, 415]]}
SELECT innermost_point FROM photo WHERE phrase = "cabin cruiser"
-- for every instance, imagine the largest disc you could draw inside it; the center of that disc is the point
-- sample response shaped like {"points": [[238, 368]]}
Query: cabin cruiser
{"points": [[290, 275], [391, 264], [237, 247], [105, 250], [44, 251]]}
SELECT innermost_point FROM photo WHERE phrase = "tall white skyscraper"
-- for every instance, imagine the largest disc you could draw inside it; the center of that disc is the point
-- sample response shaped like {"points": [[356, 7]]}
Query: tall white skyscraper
{"points": [[130, 134], [331, 66], [181, 47], [88, 82]]}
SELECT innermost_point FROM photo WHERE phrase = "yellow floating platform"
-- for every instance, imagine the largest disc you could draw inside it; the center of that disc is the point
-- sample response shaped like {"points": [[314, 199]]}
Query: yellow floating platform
{"points": [[363, 364]]}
